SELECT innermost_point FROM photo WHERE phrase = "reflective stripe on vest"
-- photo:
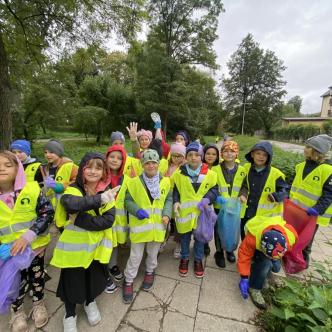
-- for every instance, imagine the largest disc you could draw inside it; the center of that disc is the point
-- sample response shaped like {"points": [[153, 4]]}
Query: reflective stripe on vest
{"points": [[78, 247], [306, 192], [13, 222], [149, 229], [265, 207], [31, 170], [223, 185], [187, 220]]}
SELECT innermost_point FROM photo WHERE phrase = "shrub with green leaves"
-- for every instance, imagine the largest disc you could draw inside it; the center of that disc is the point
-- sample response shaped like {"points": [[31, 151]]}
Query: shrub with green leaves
{"points": [[301, 305]]}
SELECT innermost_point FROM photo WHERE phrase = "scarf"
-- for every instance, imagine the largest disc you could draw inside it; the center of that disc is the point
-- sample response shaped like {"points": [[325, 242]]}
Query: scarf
{"points": [[29, 160], [193, 172], [153, 185]]}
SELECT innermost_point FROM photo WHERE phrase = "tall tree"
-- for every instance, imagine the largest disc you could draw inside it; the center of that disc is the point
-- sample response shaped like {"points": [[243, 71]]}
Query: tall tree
{"points": [[296, 102], [254, 88], [28, 28]]}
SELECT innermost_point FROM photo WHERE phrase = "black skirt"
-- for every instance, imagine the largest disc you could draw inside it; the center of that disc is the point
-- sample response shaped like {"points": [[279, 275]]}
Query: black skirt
{"points": [[77, 285]]}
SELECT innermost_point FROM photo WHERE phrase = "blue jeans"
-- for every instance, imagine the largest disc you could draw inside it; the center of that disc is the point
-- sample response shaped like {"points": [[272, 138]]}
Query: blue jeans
{"points": [[260, 269], [185, 245]]}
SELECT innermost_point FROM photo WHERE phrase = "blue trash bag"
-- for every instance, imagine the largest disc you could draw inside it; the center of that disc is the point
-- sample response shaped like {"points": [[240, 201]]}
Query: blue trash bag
{"points": [[228, 223], [205, 225], [10, 277]]}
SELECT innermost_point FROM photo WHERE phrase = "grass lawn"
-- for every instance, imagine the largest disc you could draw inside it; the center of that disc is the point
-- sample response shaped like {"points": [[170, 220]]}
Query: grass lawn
{"points": [[76, 146]]}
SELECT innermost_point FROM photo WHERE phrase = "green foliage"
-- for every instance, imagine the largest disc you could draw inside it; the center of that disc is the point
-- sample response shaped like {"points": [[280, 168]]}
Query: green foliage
{"points": [[296, 102], [301, 305], [254, 85], [327, 127], [297, 133]]}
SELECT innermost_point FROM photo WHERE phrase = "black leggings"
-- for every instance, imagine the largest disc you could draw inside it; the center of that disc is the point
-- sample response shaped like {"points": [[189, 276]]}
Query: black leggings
{"points": [[71, 308], [31, 278]]}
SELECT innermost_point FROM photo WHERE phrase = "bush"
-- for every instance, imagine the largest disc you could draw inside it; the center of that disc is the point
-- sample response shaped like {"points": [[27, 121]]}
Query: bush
{"points": [[301, 305], [297, 133]]}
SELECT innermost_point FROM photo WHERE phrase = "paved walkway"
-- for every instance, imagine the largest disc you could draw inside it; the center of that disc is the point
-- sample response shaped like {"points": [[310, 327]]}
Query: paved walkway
{"points": [[291, 147], [175, 303]]}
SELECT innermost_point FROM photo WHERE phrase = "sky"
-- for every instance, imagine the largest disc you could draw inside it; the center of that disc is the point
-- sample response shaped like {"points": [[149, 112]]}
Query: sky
{"points": [[298, 31]]}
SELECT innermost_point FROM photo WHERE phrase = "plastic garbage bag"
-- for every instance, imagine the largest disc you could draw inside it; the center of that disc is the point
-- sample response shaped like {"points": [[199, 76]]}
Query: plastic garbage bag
{"points": [[10, 277], [305, 226], [228, 223], [205, 225]]}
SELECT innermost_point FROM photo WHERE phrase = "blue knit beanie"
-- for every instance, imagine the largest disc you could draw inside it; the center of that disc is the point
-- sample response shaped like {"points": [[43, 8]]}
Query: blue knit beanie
{"points": [[22, 145], [195, 146], [273, 244]]}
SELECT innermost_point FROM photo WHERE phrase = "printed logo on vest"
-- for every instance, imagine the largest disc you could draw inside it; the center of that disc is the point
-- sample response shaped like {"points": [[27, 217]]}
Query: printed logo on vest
{"points": [[316, 178], [25, 201], [207, 186], [267, 189], [163, 191], [242, 173], [59, 178], [33, 168]]}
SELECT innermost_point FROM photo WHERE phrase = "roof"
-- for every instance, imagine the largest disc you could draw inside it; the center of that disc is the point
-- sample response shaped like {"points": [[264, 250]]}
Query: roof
{"points": [[327, 93], [309, 118]]}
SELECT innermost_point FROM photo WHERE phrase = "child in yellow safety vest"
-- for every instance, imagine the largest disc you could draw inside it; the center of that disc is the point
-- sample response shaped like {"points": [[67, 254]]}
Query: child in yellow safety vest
{"points": [[230, 182], [149, 203], [85, 246], [266, 185], [195, 187], [267, 240], [115, 163], [59, 171], [26, 215], [312, 186], [22, 149]]}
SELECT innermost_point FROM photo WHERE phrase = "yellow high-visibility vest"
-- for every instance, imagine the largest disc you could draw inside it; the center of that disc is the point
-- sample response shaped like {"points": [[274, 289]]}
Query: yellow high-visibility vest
{"points": [[306, 192], [187, 221], [163, 166], [31, 170], [133, 167], [78, 247], [265, 207], [15, 222], [152, 228], [223, 185], [258, 224]]}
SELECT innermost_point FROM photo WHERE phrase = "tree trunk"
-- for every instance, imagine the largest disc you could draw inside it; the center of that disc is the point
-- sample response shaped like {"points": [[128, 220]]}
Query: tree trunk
{"points": [[5, 90], [165, 120]]}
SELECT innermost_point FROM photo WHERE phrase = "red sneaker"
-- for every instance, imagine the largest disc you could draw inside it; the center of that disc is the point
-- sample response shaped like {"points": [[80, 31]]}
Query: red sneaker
{"points": [[198, 269], [183, 267], [148, 281], [127, 292]]}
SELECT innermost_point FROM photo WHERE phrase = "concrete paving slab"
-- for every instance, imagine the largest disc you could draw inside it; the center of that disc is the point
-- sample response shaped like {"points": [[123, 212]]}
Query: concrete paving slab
{"points": [[185, 299], [163, 288], [146, 320], [209, 323], [175, 322], [145, 300]]}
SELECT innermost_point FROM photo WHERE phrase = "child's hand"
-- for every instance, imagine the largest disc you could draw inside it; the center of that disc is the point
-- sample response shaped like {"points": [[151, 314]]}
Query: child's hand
{"points": [[243, 199], [5, 251], [177, 207], [203, 204], [221, 200], [142, 214], [132, 131], [50, 183], [107, 196], [244, 287], [19, 246], [271, 198], [72, 218], [165, 220]]}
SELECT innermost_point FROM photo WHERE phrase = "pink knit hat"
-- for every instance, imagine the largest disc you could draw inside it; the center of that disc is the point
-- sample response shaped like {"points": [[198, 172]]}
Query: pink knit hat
{"points": [[178, 148], [146, 133]]}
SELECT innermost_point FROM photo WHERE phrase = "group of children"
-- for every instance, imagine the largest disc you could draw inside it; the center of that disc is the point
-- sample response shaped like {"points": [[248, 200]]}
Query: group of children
{"points": [[113, 199]]}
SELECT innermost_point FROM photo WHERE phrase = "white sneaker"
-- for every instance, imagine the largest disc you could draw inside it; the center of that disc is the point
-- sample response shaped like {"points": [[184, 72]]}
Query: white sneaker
{"points": [[69, 324], [111, 287], [92, 313], [177, 251]]}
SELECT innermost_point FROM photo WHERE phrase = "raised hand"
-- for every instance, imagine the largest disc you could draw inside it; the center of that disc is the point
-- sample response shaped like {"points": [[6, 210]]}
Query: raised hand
{"points": [[132, 131]]}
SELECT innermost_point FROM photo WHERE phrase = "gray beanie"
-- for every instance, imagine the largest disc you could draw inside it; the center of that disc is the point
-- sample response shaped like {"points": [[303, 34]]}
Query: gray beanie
{"points": [[150, 155], [55, 146], [117, 135], [321, 143]]}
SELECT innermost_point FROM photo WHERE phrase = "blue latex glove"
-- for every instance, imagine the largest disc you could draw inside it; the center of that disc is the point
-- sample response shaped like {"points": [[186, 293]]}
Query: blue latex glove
{"points": [[312, 212], [244, 287], [276, 265], [5, 251], [142, 214], [203, 203], [50, 183], [157, 125], [221, 200]]}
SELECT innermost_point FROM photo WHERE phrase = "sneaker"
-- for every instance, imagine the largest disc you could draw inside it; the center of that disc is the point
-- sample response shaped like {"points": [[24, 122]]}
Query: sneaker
{"points": [[111, 287], [127, 292], [39, 314], [92, 312], [257, 298], [18, 321], [198, 269], [230, 257], [177, 251], [148, 281], [69, 324], [207, 249], [220, 259], [116, 273], [183, 267]]}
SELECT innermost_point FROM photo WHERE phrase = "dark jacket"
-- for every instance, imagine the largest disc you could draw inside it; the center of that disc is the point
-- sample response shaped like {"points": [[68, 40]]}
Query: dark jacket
{"points": [[80, 205], [212, 194], [257, 180], [326, 199]]}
